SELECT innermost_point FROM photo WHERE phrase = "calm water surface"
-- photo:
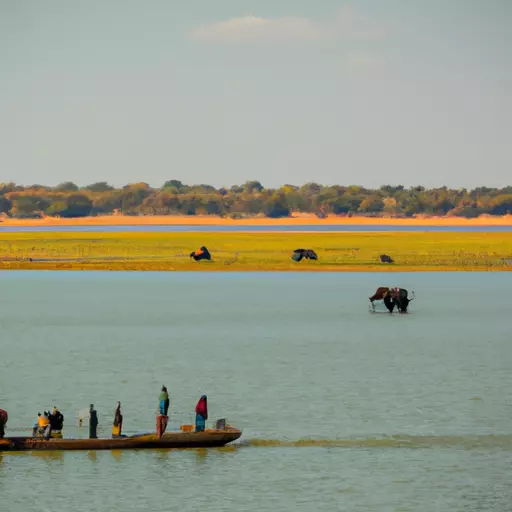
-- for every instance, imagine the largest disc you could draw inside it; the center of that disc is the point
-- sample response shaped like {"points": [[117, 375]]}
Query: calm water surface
{"points": [[209, 228], [341, 409]]}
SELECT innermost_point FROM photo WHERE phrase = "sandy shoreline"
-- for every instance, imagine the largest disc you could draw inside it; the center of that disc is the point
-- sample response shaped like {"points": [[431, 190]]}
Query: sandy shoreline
{"points": [[299, 220]]}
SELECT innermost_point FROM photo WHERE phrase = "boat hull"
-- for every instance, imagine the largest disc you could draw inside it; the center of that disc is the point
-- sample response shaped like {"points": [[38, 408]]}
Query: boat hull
{"points": [[144, 441]]}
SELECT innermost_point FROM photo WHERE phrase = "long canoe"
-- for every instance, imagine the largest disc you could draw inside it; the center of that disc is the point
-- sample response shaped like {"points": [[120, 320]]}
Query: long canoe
{"points": [[207, 439]]}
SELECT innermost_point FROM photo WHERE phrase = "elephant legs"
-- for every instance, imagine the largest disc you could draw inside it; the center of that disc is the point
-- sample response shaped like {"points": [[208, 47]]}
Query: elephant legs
{"points": [[389, 303], [402, 305]]}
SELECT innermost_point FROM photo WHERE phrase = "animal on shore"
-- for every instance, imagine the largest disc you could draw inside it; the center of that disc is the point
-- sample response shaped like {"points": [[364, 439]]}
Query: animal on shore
{"points": [[299, 254], [384, 258], [201, 254]]}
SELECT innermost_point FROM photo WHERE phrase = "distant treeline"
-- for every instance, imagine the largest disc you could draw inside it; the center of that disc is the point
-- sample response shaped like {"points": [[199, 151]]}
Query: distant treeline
{"points": [[249, 199]]}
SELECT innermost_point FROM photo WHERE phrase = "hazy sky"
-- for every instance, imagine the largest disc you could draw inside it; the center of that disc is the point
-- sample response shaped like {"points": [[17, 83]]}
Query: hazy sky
{"points": [[283, 91]]}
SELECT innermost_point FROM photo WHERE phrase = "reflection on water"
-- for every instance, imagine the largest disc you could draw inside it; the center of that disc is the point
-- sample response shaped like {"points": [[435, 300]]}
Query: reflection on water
{"points": [[499, 442], [117, 454]]}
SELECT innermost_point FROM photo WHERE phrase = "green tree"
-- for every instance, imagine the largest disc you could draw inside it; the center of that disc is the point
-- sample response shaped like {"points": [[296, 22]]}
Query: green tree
{"points": [[277, 206], [5, 204], [100, 186], [28, 206], [371, 204], [66, 186], [77, 205], [501, 205], [57, 207], [177, 184], [253, 187]]}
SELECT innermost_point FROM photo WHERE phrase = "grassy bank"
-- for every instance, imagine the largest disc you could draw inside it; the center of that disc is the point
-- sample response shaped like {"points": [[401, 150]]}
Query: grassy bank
{"points": [[256, 251]]}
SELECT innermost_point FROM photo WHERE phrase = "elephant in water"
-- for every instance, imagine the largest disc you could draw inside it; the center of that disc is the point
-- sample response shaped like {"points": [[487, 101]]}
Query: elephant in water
{"points": [[392, 297]]}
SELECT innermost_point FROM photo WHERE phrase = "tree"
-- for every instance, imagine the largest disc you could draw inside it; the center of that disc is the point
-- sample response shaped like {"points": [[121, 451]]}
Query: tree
{"points": [[28, 206], [5, 204], [390, 190], [66, 186], [345, 204], [251, 199], [253, 187], [100, 186], [57, 207], [311, 188], [177, 184], [501, 205], [77, 205], [371, 204], [277, 206]]}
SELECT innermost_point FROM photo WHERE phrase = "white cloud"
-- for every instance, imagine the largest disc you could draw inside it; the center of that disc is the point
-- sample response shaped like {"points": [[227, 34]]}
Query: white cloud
{"points": [[348, 23], [362, 61], [250, 29]]}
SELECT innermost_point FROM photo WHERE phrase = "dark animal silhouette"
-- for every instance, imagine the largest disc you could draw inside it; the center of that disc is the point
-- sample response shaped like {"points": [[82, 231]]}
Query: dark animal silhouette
{"points": [[392, 297], [308, 254], [201, 254], [384, 258]]}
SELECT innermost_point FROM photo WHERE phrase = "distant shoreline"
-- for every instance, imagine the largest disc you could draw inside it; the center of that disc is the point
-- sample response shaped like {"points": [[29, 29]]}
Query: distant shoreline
{"points": [[297, 220]]}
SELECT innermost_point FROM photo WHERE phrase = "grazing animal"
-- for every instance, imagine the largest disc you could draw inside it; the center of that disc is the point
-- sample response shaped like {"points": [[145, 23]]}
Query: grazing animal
{"points": [[384, 258], [299, 254], [392, 297], [201, 254]]}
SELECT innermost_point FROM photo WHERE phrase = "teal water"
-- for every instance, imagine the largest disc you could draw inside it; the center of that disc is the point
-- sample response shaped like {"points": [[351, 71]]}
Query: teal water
{"points": [[341, 409], [272, 228]]}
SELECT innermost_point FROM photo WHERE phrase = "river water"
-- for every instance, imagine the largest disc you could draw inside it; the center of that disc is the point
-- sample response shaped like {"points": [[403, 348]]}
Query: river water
{"points": [[341, 409], [205, 228]]}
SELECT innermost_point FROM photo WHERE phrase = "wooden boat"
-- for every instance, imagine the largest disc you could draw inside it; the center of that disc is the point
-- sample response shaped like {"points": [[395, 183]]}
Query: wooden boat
{"points": [[208, 438]]}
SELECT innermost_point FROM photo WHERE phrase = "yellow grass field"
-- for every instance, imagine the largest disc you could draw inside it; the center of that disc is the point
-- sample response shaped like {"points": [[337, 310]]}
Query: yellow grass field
{"points": [[256, 251]]}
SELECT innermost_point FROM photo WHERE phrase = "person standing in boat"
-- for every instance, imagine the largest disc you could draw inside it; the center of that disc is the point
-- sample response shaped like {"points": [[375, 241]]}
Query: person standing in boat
{"points": [[93, 422], [3, 422], [201, 414], [56, 422], [118, 422], [163, 402]]}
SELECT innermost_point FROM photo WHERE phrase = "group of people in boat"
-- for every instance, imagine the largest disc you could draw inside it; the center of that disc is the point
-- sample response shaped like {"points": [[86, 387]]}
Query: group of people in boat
{"points": [[50, 424], [163, 412]]}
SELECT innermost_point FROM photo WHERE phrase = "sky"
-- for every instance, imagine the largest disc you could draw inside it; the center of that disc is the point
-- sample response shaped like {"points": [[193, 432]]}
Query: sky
{"points": [[368, 92]]}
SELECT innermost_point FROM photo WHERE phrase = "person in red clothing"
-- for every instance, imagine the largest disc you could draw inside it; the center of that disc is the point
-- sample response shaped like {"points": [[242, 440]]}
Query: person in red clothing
{"points": [[201, 414], [3, 421]]}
